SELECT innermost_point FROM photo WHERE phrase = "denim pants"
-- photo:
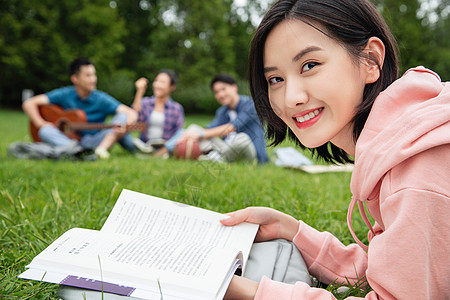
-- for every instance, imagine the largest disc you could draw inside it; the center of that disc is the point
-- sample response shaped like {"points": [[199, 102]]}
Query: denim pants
{"points": [[53, 136]]}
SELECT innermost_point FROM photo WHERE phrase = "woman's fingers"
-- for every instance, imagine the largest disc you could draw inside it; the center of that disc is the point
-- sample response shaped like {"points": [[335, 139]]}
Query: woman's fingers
{"points": [[235, 218], [256, 215]]}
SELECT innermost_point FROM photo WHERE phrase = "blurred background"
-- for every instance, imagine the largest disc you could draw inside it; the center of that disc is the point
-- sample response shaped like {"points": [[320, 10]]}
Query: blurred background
{"points": [[127, 39]]}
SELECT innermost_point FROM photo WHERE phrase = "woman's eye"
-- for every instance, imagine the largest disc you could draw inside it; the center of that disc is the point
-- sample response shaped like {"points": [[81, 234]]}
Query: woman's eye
{"points": [[309, 66], [274, 80]]}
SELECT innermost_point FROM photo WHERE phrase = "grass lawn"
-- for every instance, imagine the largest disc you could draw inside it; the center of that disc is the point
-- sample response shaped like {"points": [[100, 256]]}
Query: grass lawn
{"points": [[39, 200]]}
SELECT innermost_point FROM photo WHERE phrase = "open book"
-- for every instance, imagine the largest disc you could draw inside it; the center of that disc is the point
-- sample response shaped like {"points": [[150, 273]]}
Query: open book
{"points": [[149, 246]]}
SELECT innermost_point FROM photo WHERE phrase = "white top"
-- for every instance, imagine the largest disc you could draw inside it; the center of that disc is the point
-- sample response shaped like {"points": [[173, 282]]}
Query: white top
{"points": [[155, 125], [232, 114]]}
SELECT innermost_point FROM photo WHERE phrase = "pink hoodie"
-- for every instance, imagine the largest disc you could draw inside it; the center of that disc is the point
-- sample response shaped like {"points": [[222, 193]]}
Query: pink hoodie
{"points": [[402, 173]]}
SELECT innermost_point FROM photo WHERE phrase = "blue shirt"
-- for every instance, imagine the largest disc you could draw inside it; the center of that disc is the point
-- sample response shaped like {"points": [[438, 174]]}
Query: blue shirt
{"points": [[97, 106], [246, 121]]}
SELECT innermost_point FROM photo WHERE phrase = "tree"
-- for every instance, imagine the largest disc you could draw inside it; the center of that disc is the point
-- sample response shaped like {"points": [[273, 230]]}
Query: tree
{"points": [[39, 39], [195, 39], [127, 39], [422, 33]]}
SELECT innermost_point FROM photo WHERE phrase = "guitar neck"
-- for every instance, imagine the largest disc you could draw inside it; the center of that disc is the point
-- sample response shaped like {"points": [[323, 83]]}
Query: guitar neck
{"points": [[78, 126], [72, 120]]}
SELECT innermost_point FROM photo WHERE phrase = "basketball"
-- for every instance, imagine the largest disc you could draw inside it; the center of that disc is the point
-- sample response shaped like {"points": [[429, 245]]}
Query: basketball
{"points": [[187, 149]]}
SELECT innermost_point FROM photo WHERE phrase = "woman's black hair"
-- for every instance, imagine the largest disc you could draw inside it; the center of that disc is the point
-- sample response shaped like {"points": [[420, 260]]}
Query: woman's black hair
{"points": [[351, 23], [172, 75]]}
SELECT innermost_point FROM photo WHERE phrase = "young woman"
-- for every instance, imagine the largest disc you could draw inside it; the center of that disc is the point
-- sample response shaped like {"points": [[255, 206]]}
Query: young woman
{"points": [[163, 115], [324, 72]]}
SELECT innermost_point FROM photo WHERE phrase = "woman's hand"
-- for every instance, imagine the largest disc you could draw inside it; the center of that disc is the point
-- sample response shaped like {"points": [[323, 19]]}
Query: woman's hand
{"points": [[241, 288], [273, 224], [141, 84], [141, 87]]}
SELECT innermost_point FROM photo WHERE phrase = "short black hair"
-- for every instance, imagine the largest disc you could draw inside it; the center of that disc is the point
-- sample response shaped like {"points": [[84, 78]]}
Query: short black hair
{"points": [[172, 75], [77, 63], [222, 78]]}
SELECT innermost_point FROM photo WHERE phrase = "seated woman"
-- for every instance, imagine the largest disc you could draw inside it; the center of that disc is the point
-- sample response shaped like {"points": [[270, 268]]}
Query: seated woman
{"points": [[163, 115]]}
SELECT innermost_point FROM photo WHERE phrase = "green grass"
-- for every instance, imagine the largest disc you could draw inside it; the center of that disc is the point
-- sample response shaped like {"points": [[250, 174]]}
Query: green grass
{"points": [[39, 200]]}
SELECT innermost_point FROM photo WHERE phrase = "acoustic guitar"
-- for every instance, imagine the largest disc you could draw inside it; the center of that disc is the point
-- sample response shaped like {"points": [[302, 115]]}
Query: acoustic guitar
{"points": [[72, 121]]}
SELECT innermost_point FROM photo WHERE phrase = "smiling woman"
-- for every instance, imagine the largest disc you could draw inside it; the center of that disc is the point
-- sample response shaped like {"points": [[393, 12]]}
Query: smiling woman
{"points": [[164, 116], [353, 32], [324, 73], [304, 90]]}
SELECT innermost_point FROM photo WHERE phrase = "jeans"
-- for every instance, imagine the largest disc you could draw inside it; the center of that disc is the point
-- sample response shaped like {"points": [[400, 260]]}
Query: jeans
{"points": [[53, 136]]}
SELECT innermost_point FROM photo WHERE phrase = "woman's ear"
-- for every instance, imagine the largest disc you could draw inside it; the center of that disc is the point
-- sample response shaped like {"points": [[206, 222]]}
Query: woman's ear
{"points": [[374, 59]]}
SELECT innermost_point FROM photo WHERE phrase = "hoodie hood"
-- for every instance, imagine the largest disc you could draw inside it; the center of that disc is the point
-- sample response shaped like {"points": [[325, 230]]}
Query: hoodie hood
{"points": [[407, 118]]}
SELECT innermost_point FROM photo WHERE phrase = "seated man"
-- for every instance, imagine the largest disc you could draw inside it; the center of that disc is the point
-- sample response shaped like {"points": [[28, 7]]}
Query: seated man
{"points": [[96, 104], [235, 133]]}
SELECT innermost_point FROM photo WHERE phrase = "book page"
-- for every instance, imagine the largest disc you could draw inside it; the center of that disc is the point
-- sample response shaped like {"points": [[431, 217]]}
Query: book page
{"points": [[148, 240], [137, 262], [137, 214]]}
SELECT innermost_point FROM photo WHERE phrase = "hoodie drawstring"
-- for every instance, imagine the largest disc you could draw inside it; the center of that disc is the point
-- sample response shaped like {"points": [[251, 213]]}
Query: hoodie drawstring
{"points": [[362, 211], [364, 216]]}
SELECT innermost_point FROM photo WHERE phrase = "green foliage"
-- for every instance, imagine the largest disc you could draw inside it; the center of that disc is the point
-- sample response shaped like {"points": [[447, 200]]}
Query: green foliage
{"points": [[39, 200], [39, 39], [422, 33], [196, 98], [134, 38], [119, 84]]}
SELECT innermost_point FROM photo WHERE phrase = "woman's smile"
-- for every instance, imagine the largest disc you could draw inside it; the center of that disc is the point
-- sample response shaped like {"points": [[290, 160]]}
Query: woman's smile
{"points": [[308, 118]]}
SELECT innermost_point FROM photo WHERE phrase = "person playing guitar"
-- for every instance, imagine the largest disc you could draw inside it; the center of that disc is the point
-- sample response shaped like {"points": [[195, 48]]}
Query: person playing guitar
{"points": [[85, 103]]}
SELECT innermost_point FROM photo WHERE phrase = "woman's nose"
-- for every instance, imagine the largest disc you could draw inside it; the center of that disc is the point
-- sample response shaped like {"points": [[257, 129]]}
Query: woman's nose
{"points": [[295, 94]]}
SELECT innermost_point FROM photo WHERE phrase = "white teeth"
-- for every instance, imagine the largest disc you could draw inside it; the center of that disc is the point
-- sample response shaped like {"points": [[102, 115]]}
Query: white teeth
{"points": [[309, 116]]}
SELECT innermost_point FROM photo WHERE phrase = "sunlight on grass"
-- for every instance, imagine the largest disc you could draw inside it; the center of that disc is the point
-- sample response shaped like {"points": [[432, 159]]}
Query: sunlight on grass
{"points": [[40, 200]]}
